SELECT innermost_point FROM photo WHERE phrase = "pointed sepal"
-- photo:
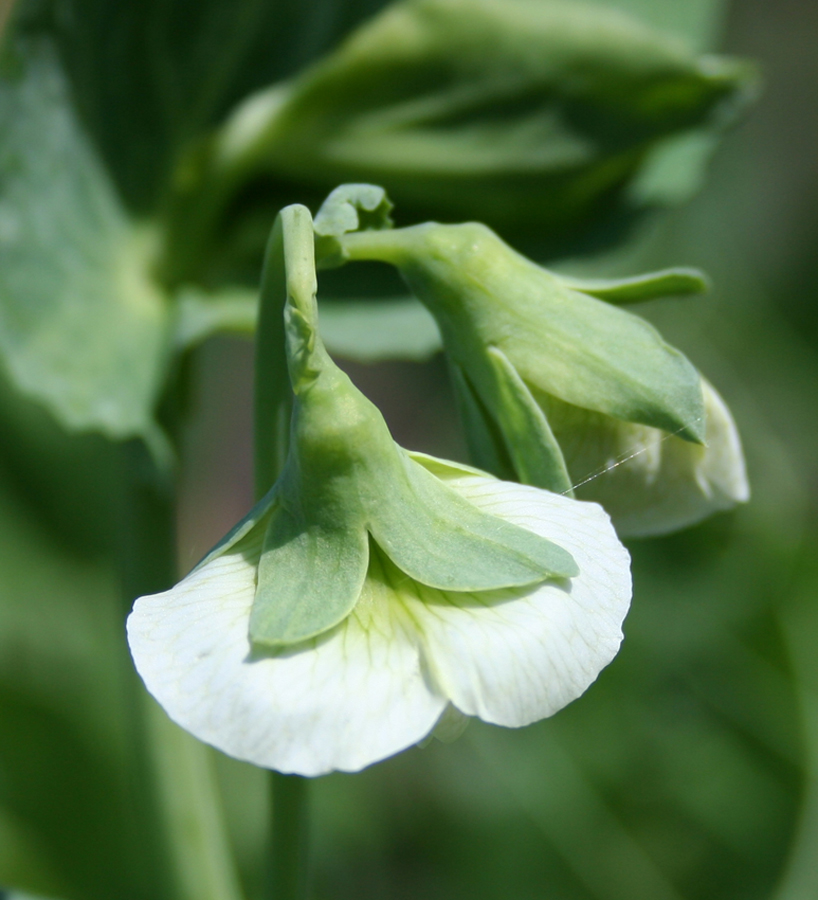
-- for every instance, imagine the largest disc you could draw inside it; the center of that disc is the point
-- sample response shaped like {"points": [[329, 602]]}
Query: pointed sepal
{"points": [[530, 442], [309, 578], [678, 282], [486, 447], [441, 540]]}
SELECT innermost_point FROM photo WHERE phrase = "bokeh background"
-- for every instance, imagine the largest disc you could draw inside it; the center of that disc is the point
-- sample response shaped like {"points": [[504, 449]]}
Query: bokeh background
{"points": [[689, 771]]}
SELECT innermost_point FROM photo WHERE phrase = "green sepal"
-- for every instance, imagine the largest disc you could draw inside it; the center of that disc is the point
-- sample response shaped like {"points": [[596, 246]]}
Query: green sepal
{"points": [[309, 578], [677, 282], [345, 477], [350, 207], [440, 539], [530, 442], [485, 445]]}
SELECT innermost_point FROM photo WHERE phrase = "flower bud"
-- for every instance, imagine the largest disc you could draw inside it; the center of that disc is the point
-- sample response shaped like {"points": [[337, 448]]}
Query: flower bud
{"points": [[556, 385]]}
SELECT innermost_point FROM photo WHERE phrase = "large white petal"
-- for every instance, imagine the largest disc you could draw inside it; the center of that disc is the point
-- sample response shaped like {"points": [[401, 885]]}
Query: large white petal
{"points": [[379, 682], [513, 657], [354, 696]]}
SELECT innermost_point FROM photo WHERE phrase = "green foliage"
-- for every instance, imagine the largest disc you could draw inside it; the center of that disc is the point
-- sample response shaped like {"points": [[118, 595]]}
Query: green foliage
{"points": [[82, 328], [688, 771], [523, 114]]}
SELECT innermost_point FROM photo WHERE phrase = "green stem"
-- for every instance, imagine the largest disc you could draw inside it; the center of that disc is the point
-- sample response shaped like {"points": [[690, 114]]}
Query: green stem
{"points": [[178, 767], [272, 394], [290, 241], [390, 245], [290, 837]]}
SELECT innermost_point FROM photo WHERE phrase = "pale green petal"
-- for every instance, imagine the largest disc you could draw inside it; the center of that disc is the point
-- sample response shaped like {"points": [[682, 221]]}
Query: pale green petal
{"points": [[343, 701], [515, 656], [648, 480]]}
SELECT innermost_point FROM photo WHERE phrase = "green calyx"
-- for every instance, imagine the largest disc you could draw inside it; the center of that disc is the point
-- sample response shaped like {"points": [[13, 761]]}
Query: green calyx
{"points": [[514, 332], [346, 483]]}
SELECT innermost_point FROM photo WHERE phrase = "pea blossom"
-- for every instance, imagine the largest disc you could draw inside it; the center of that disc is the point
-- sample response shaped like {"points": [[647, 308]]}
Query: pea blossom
{"points": [[374, 595]]}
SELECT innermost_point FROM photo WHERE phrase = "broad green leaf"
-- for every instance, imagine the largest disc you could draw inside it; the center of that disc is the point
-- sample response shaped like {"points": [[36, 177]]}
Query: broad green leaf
{"points": [[529, 440], [82, 327], [524, 114], [150, 75]]}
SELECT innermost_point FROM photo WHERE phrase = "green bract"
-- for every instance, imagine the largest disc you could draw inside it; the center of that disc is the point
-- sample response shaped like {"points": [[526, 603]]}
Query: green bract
{"points": [[346, 483]]}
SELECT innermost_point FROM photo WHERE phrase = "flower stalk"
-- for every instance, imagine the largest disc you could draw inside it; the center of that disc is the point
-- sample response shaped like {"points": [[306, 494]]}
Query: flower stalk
{"points": [[288, 873]]}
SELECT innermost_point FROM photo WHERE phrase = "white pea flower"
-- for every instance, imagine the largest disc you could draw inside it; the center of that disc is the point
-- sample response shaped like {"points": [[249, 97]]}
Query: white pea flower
{"points": [[373, 593], [558, 386], [405, 658]]}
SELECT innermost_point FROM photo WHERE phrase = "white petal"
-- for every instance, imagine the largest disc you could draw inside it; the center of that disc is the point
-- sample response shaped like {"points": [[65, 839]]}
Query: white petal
{"points": [[342, 701], [381, 680], [649, 481], [513, 657]]}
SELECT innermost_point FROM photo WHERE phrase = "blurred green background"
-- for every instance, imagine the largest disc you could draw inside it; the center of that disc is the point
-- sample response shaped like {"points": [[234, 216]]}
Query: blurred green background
{"points": [[688, 772]]}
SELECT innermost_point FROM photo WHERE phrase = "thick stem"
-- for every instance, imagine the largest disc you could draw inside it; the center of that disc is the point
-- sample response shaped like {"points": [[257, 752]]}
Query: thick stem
{"points": [[178, 767], [290, 241]]}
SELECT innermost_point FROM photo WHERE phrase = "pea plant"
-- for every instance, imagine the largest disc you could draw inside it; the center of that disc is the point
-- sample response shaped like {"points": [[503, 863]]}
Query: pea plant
{"points": [[172, 171]]}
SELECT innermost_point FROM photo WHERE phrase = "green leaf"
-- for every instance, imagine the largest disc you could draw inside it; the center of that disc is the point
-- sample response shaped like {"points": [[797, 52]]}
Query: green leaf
{"points": [[309, 578], [529, 440], [82, 327], [149, 77], [367, 331], [697, 22], [371, 331], [620, 291], [519, 113], [201, 314]]}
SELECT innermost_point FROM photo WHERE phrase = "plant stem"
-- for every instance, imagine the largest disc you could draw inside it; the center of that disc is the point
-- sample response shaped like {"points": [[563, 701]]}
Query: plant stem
{"points": [[178, 767], [288, 867], [290, 837]]}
